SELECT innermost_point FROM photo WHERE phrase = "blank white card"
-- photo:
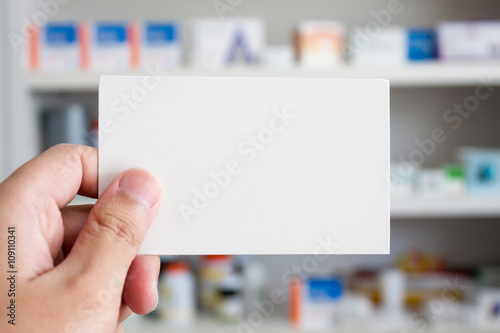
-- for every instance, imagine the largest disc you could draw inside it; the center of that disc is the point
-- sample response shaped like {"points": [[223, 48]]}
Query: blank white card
{"points": [[254, 165]]}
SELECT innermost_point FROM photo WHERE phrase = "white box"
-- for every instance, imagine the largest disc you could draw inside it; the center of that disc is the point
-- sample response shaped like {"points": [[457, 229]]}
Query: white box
{"points": [[113, 46], [321, 44], [160, 46], [56, 47], [488, 302], [389, 46], [254, 165], [469, 40], [215, 43], [392, 46]]}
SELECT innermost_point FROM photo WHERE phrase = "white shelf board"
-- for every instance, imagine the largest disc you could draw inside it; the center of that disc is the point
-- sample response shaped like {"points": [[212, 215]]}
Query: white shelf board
{"points": [[456, 208], [412, 75], [81, 200], [136, 324], [417, 208]]}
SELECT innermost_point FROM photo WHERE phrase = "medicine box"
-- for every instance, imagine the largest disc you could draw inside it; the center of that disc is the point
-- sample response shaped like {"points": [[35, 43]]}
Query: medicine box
{"points": [[315, 302], [113, 46], [320, 44], [469, 40], [482, 170], [56, 47], [213, 43], [392, 45], [160, 46]]}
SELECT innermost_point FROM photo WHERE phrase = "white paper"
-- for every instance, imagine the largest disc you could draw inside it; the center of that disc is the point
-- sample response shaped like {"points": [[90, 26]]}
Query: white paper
{"points": [[315, 182]]}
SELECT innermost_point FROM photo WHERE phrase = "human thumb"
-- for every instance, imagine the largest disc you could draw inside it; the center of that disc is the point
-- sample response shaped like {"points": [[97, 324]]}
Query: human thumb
{"points": [[116, 226]]}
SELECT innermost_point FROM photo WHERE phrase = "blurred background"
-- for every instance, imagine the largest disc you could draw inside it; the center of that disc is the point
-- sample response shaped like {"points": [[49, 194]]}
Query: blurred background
{"points": [[443, 61]]}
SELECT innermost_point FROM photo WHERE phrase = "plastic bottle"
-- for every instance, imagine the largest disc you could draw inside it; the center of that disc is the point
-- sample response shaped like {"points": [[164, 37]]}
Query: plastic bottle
{"points": [[254, 276], [177, 295], [230, 304], [214, 269]]}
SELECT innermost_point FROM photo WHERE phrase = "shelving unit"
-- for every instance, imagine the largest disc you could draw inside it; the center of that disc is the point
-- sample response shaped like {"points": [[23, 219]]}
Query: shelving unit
{"points": [[467, 207], [416, 75], [271, 325], [80, 200], [409, 208]]}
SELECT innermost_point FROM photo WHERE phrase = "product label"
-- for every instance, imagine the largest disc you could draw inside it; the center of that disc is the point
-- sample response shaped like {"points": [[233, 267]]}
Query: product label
{"points": [[113, 47], [321, 290], [60, 35], [111, 34], [160, 47], [56, 47], [158, 34]]}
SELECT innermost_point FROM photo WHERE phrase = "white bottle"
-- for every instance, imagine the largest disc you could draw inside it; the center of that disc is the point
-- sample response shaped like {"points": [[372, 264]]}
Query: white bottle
{"points": [[177, 295], [254, 278], [393, 285], [392, 315]]}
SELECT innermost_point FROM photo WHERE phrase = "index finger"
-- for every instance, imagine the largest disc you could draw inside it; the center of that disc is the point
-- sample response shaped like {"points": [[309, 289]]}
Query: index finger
{"points": [[57, 174]]}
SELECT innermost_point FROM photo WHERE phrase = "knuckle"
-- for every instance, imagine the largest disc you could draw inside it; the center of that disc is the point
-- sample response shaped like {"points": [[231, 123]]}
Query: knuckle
{"points": [[69, 156], [65, 147], [118, 225]]}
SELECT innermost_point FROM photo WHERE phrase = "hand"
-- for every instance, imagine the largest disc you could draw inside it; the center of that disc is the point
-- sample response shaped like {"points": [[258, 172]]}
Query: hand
{"points": [[77, 269]]}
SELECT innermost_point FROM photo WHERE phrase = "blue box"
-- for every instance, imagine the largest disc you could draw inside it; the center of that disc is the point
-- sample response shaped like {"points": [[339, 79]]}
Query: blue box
{"points": [[482, 171], [422, 44]]}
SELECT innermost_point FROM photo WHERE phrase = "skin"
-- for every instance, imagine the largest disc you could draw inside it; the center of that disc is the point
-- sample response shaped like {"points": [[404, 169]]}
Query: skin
{"points": [[77, 266]]}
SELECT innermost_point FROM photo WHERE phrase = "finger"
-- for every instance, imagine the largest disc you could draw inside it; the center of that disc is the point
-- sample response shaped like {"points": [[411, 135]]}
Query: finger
{"points": [[141, 286], [33, 195], [56, 175], [125, 312], [119, 329], [115, 229], [74, 218]]}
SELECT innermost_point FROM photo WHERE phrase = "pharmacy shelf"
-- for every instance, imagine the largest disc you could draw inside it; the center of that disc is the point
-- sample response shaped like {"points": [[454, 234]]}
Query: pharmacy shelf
{"points": [[417, 208], [81, 200], [136, 324], [414, 75], [443, 208]]}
